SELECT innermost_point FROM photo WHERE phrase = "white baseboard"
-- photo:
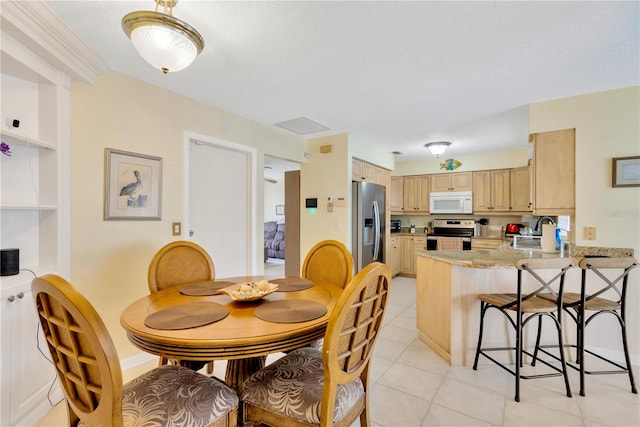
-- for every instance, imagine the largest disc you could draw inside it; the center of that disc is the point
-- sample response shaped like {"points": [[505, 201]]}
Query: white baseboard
{"points": [[137, 360]]}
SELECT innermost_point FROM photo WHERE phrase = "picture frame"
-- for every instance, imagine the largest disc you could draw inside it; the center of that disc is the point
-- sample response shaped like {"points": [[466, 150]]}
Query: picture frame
{"points": [[626, 171], [279, 209], [132, 186]]}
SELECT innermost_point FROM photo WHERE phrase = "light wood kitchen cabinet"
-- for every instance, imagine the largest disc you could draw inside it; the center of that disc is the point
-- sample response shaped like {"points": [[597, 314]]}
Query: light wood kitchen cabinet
{"points": [[553, 172], [492, 191], [408, 247], [520, 190], [415, 194], [393, 254], [456, 181], [362, 171], [395, 195]]}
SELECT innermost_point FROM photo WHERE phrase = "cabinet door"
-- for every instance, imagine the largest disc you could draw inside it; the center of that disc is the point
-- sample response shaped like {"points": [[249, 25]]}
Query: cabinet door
{"points": [[520, 190], [482, 191], [410, 187], [381, 176], [441, 182], [406, 255], [501, 190], [554, 172], [462, 181], [356, 170], [396, 195], [368, 172], [394, 256], [30, 374], [422, 193]]}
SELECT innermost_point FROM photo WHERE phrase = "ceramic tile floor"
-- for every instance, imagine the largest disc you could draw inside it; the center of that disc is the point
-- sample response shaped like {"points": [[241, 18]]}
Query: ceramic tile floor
{"points": [[414, 387]]}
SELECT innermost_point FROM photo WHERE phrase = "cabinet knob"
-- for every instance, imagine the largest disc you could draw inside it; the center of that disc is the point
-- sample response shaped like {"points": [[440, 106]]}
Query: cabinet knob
{"points": [[11, 298], [21, 295]]}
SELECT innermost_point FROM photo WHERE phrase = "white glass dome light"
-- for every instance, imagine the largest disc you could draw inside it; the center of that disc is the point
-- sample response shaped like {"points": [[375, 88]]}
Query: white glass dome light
{"points": [[165, 42], [437, 148]]}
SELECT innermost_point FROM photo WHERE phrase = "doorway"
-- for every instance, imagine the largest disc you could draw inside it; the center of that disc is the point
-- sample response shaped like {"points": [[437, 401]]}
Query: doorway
{"points": [[221, 203], [281, 214]]}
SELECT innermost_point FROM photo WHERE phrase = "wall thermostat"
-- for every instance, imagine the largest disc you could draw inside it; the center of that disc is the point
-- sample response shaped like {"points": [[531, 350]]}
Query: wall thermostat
{"points": [[311, 203]]}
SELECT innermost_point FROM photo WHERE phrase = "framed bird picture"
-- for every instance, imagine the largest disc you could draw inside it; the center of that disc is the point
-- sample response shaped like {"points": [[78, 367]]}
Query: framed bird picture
{"points": [[132, 186]]}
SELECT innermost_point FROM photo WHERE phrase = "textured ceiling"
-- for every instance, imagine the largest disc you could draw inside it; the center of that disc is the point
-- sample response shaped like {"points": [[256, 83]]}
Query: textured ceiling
{"points": [[394, 74]]}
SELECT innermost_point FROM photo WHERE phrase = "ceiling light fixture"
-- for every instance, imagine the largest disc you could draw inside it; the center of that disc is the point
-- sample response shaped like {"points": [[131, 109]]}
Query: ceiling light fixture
{"points": [[437, 148], [165, 42]]}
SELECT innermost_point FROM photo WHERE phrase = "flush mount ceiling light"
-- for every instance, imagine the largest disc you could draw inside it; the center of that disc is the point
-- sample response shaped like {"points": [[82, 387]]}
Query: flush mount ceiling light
{"points": [[165, 42], [437, 148]]}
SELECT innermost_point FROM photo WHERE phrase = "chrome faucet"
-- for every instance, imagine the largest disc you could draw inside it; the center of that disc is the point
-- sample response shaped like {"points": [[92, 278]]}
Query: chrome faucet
{"points": [[539, 223]]}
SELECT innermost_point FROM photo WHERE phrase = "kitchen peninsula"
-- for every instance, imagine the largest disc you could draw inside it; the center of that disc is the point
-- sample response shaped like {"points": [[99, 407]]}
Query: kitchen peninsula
{"points": [[448, 283]]}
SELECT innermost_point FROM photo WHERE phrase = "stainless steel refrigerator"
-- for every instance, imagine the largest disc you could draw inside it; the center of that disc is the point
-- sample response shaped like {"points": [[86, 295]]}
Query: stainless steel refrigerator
{"points": [[368, 220]]}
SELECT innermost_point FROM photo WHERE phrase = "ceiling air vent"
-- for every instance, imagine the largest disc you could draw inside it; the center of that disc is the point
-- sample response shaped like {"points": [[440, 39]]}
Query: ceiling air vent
{"points": [[302, 126]]}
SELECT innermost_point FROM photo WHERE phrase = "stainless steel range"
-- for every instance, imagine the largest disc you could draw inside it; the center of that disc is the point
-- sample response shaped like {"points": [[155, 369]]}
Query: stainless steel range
{"points": [[461, 229]]}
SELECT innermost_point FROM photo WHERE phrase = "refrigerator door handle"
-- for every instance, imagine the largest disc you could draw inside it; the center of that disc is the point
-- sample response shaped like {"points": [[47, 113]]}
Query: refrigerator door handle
{"points": [[376, 238]]}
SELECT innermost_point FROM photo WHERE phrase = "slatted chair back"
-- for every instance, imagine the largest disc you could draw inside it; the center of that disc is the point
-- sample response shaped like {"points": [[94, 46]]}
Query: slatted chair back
{"points": [[179, 263], [352, 332], [329, 261], [82, 351]]}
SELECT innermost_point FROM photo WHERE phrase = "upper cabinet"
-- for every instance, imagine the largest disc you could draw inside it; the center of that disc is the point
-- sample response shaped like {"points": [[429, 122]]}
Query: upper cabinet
{"points": [[362, 171], [492, 191], [521, 189], [553, 172], [455, 181], [396, 196], [415, 189]]}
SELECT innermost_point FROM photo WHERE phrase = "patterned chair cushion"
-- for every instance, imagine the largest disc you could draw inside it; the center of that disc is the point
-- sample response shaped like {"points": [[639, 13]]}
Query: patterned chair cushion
{"points": [[175, 396], [293, 385]]}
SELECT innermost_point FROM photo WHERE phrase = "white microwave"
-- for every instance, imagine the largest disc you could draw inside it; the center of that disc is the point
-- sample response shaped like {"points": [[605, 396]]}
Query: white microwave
{"points": [[451, 202]]}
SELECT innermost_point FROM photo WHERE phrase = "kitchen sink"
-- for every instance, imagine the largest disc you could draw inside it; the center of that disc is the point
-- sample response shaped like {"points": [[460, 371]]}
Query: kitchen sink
{"points": [[527, 242]]}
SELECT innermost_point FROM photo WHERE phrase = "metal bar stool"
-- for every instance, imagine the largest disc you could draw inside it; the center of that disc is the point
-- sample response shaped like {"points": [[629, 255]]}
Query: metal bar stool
{"points": [[600, 277], [527, 307]]}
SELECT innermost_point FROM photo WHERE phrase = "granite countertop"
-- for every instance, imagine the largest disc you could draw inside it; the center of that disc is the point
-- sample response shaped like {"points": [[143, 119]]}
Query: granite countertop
{"points": [[506, 257]]}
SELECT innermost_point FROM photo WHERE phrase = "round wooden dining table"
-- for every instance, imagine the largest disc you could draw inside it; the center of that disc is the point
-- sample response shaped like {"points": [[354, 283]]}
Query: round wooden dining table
{"points": [[241, 338]]}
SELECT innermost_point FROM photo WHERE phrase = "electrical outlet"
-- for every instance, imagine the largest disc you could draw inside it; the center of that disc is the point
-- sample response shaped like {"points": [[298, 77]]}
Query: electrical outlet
{"points": [[589, 233], [176, 228]]}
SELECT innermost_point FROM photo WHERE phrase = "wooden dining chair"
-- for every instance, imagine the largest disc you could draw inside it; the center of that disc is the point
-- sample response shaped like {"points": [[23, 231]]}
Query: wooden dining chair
{"points": [[309, 387], [329, 261], [88, 368], [180, 263], [526, 305]]}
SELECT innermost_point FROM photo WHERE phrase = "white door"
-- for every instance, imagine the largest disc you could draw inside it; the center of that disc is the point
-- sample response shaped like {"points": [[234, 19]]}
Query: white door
{"points": [[221, 199]]}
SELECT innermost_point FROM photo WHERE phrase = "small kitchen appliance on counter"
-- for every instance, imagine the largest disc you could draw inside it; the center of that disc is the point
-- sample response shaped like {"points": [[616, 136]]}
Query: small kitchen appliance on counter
{"points": [[395, 226]]}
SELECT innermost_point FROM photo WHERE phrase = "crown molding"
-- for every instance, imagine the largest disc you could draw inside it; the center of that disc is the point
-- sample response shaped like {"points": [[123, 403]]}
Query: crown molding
{"points": [[37, 27]]}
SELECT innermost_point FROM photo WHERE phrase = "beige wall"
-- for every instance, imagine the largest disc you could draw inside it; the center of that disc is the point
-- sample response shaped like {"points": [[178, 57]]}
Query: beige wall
{"points": [[109, 259], [607, 125], [325, 174], [273, 195]]}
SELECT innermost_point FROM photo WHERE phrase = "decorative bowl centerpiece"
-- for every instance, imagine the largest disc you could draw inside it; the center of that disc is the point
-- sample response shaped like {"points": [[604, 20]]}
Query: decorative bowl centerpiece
{"points": [[250, 291]]}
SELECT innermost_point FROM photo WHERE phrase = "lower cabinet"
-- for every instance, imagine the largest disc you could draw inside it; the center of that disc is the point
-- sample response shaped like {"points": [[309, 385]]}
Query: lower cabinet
{"points": [[393, 253], [408, 247], [27, 377]]}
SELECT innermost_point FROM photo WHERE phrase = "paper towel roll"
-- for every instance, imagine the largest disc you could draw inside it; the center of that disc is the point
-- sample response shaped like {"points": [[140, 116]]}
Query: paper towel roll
{"points": [[549, 238]]}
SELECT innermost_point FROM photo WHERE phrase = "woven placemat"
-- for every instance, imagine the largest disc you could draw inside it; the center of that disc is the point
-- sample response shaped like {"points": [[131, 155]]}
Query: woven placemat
{"points": [[290, 311], [187, 316], [290, 284], [204, 288]]}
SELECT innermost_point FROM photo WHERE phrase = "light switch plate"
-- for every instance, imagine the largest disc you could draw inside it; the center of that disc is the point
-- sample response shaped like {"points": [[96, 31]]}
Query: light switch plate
{"points": [[176, 229]]}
